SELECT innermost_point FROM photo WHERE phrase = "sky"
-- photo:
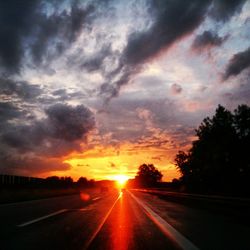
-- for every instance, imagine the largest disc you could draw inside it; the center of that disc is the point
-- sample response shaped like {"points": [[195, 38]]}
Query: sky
{"points": [[97, 88]]}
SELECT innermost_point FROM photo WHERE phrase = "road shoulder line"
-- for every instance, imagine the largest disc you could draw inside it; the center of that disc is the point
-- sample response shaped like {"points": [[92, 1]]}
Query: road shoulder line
{"points": [[166, 228]]}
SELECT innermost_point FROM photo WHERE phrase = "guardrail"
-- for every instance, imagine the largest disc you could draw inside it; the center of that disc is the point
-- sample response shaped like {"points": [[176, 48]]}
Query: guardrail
{"points": [[9, 180], [195, 196], [227, 205]]}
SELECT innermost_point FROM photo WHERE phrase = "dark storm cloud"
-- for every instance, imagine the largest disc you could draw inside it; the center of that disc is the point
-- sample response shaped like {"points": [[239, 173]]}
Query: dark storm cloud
{"points": [[8, 111], [20, 89], [63, 122], [110, 90], [223, 10], [23, 138], [56, 32], [26, 25], [60, 133], [70, 123], [237, 64], [240, 93], [15, 23], [30, 165], [172, 21], [206, 40]]}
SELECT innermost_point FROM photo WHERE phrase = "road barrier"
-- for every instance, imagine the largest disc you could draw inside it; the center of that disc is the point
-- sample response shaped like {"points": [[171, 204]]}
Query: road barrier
{"points": [[13, 180], [237, 206]]}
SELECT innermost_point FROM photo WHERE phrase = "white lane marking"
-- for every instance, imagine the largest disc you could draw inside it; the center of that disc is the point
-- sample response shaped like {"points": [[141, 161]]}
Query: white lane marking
{"points": [[166, 228], [42, 218], [96, 198], [86, 246], [84, 209], [79, 209], [52, 214]]}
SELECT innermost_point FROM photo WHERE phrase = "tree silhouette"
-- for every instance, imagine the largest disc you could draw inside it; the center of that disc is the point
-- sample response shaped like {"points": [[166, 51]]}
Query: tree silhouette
{"points": [[59, 182], [242, 126], [148, 175], [182, 161], [218, 160], [82, 182]]}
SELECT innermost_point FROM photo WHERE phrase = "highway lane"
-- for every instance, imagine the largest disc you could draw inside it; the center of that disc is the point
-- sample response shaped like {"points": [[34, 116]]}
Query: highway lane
{"points": [[128, 227], [116, 221], [206, 228], [17, 213], [67, 230]]}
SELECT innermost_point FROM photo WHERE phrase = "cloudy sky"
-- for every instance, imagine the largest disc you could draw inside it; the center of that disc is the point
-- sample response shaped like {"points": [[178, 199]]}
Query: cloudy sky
{"points": [[96, 88]]}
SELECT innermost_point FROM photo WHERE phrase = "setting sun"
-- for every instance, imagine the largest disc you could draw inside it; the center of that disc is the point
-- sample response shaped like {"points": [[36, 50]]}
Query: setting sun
{"points": [[121, 179]]}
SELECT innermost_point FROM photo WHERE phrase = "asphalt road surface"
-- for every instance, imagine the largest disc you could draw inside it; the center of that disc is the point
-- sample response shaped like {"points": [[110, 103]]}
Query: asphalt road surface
{"points": [[117, 220]]}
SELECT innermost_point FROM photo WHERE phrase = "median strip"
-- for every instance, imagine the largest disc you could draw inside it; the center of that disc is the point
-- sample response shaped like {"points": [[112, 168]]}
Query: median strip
{"points": [[166, 228]]}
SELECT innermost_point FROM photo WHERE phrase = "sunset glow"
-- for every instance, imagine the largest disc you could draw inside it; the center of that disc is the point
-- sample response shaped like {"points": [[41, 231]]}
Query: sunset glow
{"points": [[96, 90], [104, 163]]}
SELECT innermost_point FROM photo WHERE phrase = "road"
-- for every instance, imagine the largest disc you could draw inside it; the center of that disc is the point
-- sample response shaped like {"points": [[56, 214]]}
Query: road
{"points": [[117, 220]]}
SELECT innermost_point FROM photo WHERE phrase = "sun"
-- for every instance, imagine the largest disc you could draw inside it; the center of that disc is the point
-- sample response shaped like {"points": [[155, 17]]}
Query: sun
{"points": [[121, 179]]}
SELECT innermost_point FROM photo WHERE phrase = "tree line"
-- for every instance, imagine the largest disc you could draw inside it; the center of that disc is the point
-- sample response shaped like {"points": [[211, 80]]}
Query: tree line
{"points": [[67, 181], [219, 160], [49, 182]]}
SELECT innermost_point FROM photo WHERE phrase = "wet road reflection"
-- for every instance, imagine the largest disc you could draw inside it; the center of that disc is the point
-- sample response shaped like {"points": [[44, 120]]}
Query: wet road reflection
{"points": [[128, 227], [121, 231]]}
